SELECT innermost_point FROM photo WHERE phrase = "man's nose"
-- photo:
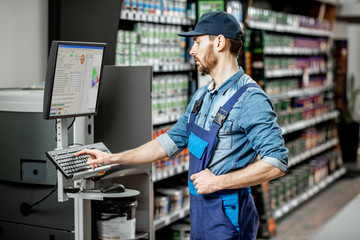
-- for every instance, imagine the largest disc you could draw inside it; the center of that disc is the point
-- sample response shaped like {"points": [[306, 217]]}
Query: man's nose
{"points": [[192, 51]]}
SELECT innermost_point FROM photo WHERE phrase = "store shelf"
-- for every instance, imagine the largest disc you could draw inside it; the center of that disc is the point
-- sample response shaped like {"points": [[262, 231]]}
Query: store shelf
{"points": [[171, 171], [152, 18], [175, 67], [312, 152], [293, 51], [292, 204], [141, 236], [309, 122], [279, 41], [170, 218], [291, 72], [165, 120], [300, 92], [288, 29]]}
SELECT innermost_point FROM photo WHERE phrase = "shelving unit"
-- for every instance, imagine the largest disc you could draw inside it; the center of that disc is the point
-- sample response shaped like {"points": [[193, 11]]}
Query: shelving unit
{"points": [[289, 55], [170, 92]]}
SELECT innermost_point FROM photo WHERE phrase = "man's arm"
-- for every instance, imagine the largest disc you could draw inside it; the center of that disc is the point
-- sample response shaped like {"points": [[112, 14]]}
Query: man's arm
{"points": [[206, 182], [146, 153]]}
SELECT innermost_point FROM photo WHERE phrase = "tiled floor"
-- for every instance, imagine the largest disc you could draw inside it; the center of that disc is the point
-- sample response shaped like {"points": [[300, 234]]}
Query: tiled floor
{"points": [[303, 222]]}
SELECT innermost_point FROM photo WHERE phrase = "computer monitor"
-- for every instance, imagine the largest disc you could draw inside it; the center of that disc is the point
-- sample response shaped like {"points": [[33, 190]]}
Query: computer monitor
{"points": [[73, 79]]}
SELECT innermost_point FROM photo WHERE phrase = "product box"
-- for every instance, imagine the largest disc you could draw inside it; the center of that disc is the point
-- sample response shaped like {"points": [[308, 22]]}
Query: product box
{"points": [[209, 6], [180, 231]]}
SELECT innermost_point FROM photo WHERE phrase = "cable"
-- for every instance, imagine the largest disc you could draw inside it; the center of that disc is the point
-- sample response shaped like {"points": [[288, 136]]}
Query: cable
{"points": [[45, 197], [26, 208], [71, 123]]}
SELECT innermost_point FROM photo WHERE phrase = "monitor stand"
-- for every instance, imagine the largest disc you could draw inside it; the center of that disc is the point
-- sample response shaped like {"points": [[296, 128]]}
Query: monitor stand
{"points": [[82, 207]]}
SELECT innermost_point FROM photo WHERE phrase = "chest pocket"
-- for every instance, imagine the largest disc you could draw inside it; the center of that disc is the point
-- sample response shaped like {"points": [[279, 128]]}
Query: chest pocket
{"points": [[225, 134]]}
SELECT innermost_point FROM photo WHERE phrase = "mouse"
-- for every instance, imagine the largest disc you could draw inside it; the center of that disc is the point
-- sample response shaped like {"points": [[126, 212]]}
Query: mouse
{"points": [[113, 188]]}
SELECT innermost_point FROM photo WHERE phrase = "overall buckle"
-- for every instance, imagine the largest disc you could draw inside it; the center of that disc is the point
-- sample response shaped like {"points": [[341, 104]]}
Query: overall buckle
{"points": [[221, 116], [197, 106]]}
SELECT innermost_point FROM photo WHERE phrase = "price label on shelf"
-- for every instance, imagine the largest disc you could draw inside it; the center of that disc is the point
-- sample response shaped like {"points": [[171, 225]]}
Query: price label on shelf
{"points": [[156, 18], [162, 19], [165, 174], [295, 203], [286, 208], [150, 17], [305, 196], [137, 16], [171, 171], [277, 213]]}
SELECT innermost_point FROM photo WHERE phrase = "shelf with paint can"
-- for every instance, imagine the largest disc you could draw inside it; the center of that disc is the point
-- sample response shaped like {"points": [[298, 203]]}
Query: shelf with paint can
{"points": [[302, 124], [170, 170], [289, 89], [311, 191], [305, 154], [156, 18], [269, 20], [171, 218], [289, 56]]}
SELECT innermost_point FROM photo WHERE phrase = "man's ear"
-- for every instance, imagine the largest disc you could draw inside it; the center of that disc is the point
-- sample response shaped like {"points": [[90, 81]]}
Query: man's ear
{"points": [[220, 42]]}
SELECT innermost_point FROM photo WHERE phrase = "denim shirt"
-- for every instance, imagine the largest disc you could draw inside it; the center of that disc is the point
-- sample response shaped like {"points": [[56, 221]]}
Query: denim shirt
{"points": [[249, 130]]}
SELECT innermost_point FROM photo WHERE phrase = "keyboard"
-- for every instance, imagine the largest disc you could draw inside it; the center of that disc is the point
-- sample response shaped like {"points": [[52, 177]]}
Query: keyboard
{"points": [[75, 167]]}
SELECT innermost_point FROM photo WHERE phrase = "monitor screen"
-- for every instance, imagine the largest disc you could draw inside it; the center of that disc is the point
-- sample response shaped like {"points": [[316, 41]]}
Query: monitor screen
{"points": [[73, 79]]}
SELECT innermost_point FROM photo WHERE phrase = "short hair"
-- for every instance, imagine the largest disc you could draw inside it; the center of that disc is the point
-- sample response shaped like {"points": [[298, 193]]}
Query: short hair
{"points": [[235, 44]]}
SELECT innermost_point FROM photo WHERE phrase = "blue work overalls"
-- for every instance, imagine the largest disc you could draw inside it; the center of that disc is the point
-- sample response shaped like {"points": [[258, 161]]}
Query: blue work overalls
{"points": [[226, 214]]}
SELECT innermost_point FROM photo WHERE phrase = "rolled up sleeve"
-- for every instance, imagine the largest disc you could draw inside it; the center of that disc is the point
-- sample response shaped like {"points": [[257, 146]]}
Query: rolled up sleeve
{"points": [[168, 145], [263, 132]]}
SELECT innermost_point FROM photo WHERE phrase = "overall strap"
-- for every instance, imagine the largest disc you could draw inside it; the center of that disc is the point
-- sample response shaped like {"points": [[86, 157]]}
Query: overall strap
{"points": [[223, 111]]}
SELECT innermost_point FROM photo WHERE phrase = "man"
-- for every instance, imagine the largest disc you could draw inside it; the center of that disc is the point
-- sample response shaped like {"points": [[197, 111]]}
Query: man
{"points": [[226, 126]]}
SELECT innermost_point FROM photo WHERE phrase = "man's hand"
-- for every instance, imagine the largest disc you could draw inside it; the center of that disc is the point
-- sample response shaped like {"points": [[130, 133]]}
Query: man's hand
{"points": [[205, 182], [96, 157]]}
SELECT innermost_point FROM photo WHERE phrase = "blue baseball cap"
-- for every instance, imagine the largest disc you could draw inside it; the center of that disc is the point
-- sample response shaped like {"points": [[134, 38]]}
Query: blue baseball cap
{"points": [[216, 23]]}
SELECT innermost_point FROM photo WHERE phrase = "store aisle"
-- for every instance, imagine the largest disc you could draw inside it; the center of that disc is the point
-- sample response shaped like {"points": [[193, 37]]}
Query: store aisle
{"points": [[304, 222]]}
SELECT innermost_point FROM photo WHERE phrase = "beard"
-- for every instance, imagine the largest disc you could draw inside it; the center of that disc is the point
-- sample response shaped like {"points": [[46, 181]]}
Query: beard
{"points": [[209, 61]]}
